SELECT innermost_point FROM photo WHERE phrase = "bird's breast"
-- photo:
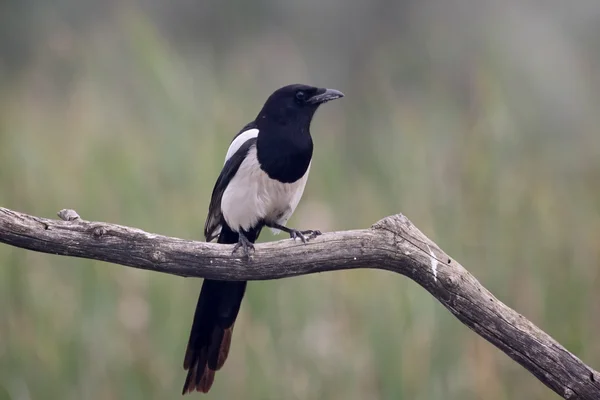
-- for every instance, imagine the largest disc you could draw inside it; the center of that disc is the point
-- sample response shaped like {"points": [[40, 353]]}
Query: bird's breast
{"points": [[253, 196]]}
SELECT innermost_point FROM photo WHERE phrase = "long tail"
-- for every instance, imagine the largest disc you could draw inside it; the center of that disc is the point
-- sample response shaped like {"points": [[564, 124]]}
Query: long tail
{"points": [[210, 338]]}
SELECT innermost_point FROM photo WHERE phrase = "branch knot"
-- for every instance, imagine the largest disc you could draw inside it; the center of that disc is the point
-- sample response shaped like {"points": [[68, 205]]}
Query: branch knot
{"points": [[98, 232]]}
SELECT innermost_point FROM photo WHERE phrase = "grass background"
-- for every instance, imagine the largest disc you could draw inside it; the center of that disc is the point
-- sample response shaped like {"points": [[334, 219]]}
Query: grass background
{"points": [[477, 120]]}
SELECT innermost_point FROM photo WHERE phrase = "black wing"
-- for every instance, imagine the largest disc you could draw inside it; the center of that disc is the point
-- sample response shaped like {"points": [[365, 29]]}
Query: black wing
{"points": [[212, 227]]}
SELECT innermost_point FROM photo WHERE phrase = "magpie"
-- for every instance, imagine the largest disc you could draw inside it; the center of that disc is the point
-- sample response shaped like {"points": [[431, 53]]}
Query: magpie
{"points": [[260, 185]]}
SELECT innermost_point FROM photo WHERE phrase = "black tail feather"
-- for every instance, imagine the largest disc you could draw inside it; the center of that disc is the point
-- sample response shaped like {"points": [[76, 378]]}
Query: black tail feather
{"points": [[210, 338]]}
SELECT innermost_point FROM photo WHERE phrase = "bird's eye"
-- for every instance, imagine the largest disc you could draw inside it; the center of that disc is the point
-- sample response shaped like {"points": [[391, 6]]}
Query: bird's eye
{"points": [[300, 95]]}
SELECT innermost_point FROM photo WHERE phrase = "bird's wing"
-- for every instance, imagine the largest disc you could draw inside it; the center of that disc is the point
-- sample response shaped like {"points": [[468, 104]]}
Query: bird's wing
{"points": [[238, 151], [248, 132]]}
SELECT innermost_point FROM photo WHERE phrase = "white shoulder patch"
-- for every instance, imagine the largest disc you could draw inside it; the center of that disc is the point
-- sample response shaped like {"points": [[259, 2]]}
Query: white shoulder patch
{"points": [[239, 141]]}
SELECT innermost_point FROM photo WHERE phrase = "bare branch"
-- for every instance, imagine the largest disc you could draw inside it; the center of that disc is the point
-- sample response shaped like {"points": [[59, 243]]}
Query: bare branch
{"points": [[392, 244]]}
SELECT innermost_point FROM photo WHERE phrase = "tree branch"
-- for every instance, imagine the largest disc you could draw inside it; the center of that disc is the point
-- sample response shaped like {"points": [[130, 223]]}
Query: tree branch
{"points": [[392, 244]]}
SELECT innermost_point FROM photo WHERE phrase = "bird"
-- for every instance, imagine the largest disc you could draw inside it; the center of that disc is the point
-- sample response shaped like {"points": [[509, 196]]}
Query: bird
{"points": [[262, 180]]}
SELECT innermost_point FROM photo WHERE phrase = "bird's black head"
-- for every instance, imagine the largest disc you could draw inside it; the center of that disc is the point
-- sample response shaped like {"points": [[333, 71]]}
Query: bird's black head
{"points": [[284, 146], [295, 104]]}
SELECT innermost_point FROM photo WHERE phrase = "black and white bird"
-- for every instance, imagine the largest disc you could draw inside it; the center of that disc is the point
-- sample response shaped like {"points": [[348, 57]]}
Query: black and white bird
{"points": [[260, 185]]}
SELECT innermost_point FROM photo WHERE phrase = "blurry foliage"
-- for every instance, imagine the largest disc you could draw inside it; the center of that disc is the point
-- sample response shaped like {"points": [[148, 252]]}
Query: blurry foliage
{"points": [[478, 120]]}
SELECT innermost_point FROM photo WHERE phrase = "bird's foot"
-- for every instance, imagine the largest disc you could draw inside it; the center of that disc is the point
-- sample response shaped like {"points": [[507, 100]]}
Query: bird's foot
{"points": [[244, 244], [305, 236]]}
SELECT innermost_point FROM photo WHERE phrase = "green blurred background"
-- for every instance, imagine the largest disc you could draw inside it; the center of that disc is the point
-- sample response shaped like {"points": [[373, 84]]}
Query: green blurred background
{"points": [[479, 120]]}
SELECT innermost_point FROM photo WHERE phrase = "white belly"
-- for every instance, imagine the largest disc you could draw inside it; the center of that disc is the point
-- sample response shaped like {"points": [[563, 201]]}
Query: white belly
{"points": [[252, 196]]}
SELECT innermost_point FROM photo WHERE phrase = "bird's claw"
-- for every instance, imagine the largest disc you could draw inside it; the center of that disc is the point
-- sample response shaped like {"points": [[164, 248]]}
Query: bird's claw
{"points": [[245, 245], [312, 233], [305, 236], [294, 234]]}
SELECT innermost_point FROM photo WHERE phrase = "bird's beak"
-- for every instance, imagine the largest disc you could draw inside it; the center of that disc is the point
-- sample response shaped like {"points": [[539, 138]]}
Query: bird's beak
{"points": [[325, 95]]}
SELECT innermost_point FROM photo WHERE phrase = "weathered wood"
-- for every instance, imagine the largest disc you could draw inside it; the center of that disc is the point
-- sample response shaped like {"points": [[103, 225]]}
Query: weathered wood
{"points": [[392, 244]]}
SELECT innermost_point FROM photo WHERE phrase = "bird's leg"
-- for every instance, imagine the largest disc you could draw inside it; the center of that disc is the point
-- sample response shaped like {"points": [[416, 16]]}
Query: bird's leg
{"points": [[294, 233], [244, 243]]}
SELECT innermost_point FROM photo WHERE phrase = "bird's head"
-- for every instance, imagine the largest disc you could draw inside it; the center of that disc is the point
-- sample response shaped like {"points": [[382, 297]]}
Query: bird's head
{"points": [[296, 103]]}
